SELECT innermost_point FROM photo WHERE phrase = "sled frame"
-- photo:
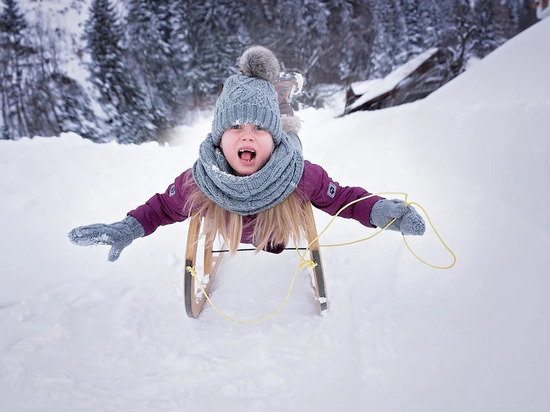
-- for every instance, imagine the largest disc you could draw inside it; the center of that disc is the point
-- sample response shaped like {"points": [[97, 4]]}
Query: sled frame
{"points": [[318, 271], [194, 297]]}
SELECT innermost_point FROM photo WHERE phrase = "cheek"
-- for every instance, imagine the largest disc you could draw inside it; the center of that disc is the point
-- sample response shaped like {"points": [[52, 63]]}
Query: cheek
{"points": [[267, 152], [224, 142], [231, 158], [268, 143]]}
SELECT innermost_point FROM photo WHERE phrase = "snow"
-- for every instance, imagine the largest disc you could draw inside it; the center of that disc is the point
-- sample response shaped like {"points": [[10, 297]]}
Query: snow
{"points": [[81, 334], [370, 89], [63, 29]]}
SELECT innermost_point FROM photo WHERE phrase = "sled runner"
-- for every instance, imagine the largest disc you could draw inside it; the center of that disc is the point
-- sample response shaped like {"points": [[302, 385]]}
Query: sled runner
{"points": [[193, 294]]}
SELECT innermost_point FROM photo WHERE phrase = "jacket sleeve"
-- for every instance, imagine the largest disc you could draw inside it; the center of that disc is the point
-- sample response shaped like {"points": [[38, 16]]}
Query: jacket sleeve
{"points": [[165, 208], [329, 196]]}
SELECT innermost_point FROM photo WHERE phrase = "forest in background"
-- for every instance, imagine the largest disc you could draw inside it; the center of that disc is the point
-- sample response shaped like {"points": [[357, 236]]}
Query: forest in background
{"points": [[152, 64]]}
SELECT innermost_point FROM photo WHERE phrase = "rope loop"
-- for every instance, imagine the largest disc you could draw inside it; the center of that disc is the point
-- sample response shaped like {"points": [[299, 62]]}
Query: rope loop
{"points": [[306, 263]]}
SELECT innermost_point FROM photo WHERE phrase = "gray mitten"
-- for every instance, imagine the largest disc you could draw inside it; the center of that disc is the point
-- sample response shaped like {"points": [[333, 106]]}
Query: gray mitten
{"points": [[408, 221], [118, 235]]}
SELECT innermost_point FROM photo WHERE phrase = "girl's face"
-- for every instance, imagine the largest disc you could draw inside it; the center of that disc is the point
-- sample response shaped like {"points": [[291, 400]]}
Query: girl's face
{"points": [[247, 148]]}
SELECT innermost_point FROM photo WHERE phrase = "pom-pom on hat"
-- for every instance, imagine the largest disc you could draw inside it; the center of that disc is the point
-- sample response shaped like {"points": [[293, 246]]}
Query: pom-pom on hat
{"points": [[250, 97]]}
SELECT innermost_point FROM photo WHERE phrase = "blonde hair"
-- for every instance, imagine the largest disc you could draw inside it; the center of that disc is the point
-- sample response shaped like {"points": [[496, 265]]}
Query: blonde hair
{"points": [[272, 227]]}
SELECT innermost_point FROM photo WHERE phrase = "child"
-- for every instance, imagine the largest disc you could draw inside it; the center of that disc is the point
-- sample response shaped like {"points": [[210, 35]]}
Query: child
{"points": [[250, 181]]}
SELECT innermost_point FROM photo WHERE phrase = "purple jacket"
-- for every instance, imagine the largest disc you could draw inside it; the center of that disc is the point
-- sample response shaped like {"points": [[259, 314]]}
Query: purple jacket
{"points": [[315, 186]]}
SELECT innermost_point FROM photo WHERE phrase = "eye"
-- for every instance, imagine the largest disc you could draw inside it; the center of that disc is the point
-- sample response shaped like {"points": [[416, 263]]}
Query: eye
{"points": [[236, 127], [257, 127]]}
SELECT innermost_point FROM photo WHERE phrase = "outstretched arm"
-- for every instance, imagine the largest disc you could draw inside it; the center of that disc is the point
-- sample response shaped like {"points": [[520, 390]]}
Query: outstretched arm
{"points": [[165, 208], [162, 209], [375, 211]]}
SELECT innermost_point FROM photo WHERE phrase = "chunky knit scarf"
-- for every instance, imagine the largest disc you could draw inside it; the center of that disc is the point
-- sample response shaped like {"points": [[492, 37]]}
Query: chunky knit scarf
{"points": [[248, 195]]}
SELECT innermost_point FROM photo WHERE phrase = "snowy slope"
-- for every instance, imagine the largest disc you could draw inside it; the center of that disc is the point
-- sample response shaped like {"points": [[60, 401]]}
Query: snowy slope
{"points": [[82, 334]]}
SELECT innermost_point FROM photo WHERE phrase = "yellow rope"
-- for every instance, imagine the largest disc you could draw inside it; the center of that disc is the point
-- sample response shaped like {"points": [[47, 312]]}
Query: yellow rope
{"points": [[407, 203], [304, 262], [249, 322], [438, 236]]}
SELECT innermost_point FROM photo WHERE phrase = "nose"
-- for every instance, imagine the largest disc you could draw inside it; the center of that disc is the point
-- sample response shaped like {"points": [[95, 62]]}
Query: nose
{"points": [[248, 132]]}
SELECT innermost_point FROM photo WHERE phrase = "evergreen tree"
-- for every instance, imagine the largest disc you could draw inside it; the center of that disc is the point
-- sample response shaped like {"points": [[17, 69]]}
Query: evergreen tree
{"points": [[351, 34], [464, 27], [129, 117], [304, 35], [400, 30], [14, 54], [506, 19], [429, 14], [35, 94], [416, 40], [142, 33], [42, 106], [385, 53], [437, 22], [150, 36], [484, 35], [56, 103], [181, 58], [216, 35]]}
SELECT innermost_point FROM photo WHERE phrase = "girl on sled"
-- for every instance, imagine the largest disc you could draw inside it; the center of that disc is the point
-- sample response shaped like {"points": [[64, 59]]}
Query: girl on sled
{"points": [[250, 182]]}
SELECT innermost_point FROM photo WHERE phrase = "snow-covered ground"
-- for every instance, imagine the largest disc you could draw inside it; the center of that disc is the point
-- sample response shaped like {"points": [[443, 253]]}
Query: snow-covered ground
{"points": [[81, 334]]}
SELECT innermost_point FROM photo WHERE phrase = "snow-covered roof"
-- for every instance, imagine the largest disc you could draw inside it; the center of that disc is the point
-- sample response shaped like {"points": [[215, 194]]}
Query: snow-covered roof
{"points": [[372, 88], [543, 9]]}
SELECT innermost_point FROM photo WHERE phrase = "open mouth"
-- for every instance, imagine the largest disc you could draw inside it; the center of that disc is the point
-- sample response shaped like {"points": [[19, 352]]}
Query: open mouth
{"points": [[247, 155]]}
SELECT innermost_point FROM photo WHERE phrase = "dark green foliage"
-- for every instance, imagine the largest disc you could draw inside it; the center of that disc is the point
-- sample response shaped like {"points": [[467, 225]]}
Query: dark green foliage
{"points": [[157, 62], [127, 113], [36, 97], [15, 53]]}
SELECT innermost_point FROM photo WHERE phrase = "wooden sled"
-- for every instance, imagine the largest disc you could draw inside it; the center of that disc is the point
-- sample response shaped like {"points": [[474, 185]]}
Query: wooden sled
{"points": [[193, 295]]}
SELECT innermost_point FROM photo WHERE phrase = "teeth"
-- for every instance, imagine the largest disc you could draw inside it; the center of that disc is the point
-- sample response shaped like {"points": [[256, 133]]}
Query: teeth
{"points": [[251, 154]]}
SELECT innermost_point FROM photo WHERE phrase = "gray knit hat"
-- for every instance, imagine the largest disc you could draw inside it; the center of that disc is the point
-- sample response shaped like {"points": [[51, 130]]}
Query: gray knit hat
{"points": [[250, 97]]}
